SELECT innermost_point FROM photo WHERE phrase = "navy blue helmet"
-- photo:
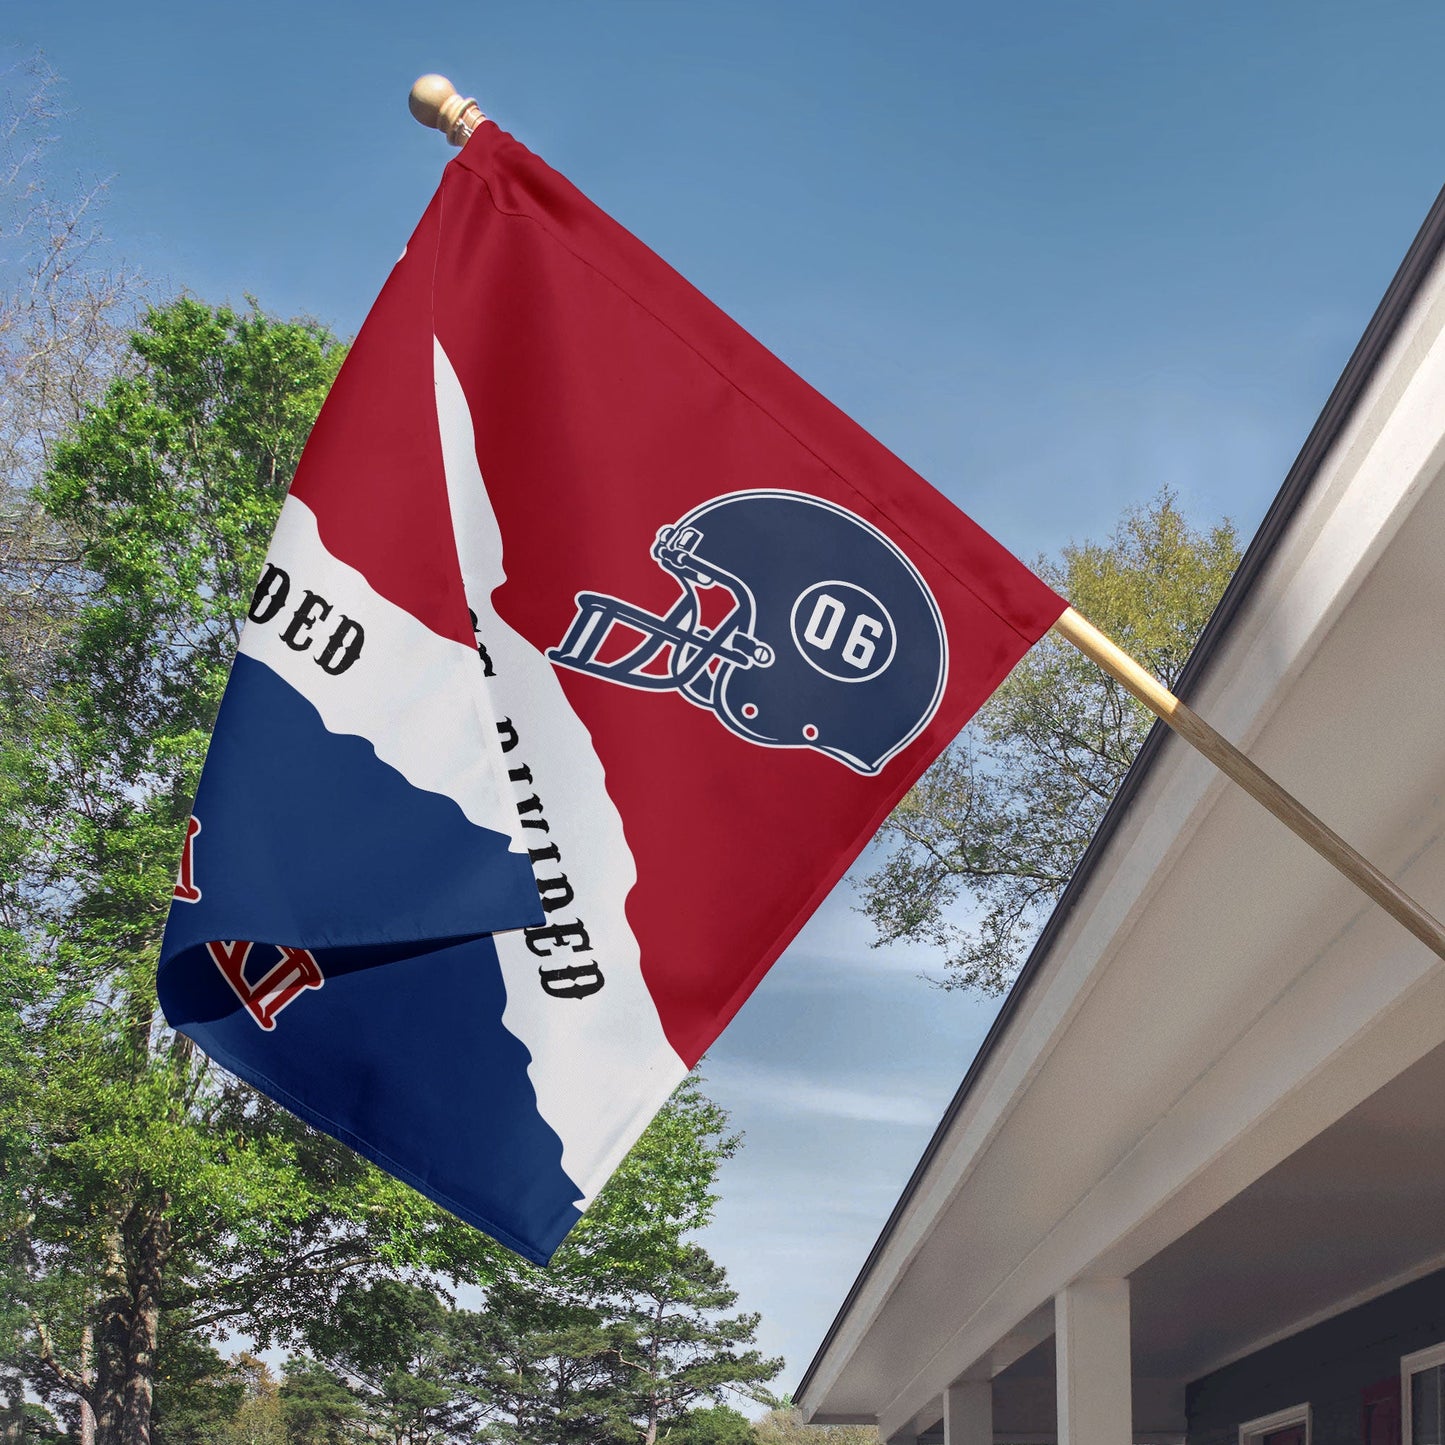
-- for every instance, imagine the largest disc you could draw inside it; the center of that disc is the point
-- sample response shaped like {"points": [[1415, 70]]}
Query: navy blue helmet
{"points": [[824, 636]]}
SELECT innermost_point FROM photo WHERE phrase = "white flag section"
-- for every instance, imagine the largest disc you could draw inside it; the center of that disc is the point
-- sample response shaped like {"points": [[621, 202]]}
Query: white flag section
{"points": [[583, 1046], [305, 599]]}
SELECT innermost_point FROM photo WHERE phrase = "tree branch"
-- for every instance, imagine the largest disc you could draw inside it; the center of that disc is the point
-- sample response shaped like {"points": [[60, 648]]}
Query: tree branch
{"points": [[67, 1378]]}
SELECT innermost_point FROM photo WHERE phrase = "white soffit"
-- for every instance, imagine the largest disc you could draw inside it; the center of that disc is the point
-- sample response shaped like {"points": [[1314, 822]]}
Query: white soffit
{"points": [[1216, 995]]}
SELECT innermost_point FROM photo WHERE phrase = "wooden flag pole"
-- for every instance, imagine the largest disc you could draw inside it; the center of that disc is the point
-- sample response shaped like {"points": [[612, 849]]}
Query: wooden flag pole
{"points": [[1259, 785], [434, 102]]}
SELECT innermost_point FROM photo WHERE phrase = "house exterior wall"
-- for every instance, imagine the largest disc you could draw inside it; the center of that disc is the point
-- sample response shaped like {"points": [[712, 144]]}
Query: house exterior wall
{"points": [[1336, 1367]]}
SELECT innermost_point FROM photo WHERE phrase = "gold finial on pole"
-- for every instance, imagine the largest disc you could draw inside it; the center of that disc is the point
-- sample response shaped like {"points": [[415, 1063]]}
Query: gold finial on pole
{"points": [[434, 101]]}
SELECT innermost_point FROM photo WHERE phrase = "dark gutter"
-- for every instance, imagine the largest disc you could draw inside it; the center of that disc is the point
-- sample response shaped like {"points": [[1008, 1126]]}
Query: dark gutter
{"points": [[1356, 376]]}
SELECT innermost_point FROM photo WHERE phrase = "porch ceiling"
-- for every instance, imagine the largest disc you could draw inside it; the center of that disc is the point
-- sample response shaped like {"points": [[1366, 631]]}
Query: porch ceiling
{"points": [[1358, 1208]]}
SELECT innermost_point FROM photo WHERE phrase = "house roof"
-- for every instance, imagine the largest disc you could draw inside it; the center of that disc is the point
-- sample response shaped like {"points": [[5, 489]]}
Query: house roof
{"points": [[1341, 416]]}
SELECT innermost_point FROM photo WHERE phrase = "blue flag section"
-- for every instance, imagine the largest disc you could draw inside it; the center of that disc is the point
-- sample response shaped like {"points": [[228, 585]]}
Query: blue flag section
{"points": [[307, 836], [385, 1029]]}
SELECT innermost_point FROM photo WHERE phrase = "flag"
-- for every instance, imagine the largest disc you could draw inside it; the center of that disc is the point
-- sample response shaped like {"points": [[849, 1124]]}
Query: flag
{"points": [[592, 647]]}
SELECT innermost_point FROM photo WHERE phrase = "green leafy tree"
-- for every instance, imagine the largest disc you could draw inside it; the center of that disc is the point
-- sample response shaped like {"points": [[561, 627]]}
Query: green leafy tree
{"points": [[17, 983], [711, 1425], [41, 1427], [62, 317], [197, 1392], [980, 850], [138, 1183], [151, 1200], [258, 1418], [675, 1345], [783, 1425], [537, 1361]]}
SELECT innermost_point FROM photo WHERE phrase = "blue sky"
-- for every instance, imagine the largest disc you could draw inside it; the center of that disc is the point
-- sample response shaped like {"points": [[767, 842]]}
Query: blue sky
{"points": [[1054, 255]]}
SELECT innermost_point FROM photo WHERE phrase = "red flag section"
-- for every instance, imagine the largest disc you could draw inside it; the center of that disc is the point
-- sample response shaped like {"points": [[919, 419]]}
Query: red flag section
{"points": [[610, 399]]}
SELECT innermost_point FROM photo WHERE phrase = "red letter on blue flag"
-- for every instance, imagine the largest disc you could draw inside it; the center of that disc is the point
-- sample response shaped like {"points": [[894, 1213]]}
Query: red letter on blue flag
{"points": [[592, 647]]}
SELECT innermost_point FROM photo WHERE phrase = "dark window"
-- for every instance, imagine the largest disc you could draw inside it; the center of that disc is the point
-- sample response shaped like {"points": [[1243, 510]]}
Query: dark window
{"points": [[1290, 1435], [1425, 1406], [1380, 1413]]}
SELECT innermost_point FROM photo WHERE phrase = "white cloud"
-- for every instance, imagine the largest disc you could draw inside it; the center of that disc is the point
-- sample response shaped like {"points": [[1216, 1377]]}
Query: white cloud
{"points": [[788, 1091]]}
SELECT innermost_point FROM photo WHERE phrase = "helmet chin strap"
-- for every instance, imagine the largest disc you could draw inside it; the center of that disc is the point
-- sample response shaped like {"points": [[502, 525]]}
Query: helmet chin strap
{"points": [[747, 651]]}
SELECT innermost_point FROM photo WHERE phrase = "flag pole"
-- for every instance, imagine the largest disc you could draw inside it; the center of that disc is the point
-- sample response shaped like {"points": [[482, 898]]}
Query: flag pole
{"points": [[1259, 785], [434, 102]]}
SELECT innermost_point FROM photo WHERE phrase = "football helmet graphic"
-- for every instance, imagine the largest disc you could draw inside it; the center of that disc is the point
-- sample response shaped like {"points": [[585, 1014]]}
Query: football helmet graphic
{"points": [[799, 624]]}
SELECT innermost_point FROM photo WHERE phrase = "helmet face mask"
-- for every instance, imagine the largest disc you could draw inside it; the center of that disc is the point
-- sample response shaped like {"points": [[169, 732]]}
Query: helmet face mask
{"points": [[693, 654], [832, 640]]}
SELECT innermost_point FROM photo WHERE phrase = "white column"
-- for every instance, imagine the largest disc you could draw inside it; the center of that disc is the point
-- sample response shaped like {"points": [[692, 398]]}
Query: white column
{"points": [[1091, 1340], [968, 1413]]}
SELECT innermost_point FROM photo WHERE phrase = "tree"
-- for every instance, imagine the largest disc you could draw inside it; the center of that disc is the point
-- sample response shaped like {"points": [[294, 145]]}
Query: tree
{"points": [[675, 1346], [196, 1390], [1002, 819], [316, 1404], [538, 1361], [62, 336], [42, 1428], [625, 1337], [712, 1425], [783, 1425], [258, 1418], [152, 1199], [628, 1331], [401, 1350], [141, 1186]]}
